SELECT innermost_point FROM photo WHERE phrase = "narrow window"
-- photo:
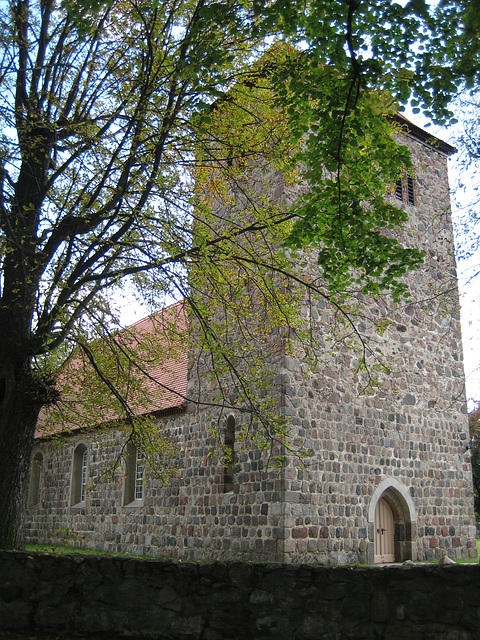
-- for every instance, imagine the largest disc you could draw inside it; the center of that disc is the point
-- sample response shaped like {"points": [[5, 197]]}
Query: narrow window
{"points": [[229, 455], [399, 189], [410, 190], [405, 190], [134, 475], [83, 485], [79, 476], [138, 476], [35, 491]]}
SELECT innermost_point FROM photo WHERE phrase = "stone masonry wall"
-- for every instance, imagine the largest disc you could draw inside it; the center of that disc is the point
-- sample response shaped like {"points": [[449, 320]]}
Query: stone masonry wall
{"points": [[105, 597], [189, 517], [404, 440]]}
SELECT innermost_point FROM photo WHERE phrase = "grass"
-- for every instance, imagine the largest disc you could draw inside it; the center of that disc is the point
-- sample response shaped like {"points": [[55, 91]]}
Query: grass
{"points": [[59, 549], [63, 549], [467, 560]]}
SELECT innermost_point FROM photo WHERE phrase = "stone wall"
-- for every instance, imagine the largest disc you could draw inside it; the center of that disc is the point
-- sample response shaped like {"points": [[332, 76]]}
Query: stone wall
{"points": [[188, 517], [403, 440], [115, 597]]}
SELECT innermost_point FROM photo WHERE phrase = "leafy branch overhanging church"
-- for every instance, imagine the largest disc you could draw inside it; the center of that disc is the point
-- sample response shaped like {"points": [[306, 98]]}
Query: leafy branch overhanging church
{"points": [[386, 476]]}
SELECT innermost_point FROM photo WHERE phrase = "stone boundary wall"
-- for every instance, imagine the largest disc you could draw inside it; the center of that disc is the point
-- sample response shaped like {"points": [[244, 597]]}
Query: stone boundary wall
{"points": [[111, 597]]}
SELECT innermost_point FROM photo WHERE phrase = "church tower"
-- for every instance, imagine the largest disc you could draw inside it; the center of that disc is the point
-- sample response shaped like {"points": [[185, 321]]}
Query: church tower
{"points": [[389, 476], [378, 468]]}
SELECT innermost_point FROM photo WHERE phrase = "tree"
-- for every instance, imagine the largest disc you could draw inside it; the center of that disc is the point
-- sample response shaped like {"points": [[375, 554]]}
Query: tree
{"points": [[108, 111], [474, 420], [466, 137]]}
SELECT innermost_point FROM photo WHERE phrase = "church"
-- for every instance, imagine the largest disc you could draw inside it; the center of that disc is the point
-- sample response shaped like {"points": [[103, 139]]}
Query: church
{"points": [[368, 473]]}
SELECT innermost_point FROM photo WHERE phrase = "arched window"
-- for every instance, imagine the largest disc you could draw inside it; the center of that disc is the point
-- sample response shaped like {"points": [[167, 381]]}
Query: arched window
{"points": [[35, 490], [229, 455], [78, 495], [134, 475]]}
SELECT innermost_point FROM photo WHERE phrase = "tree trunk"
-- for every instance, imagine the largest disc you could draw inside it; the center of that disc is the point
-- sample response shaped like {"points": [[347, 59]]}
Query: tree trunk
{"points": [[22, 390], [20, 405]]}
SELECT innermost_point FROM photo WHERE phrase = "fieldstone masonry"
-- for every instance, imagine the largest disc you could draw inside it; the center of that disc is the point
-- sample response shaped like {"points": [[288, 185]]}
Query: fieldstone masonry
{"points": [[404, 442]]}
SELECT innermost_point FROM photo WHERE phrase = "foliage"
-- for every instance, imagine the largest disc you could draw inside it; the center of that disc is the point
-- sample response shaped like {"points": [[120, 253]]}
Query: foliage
{"points": [[467, 194], [350, 173], [111, 110], [467, 217], [463, 51], [97, 182], [474, 422], [124, 380]]}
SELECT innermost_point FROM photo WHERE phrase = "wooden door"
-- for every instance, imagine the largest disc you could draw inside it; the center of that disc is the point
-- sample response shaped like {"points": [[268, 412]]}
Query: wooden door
{"points": [[384, 533]]}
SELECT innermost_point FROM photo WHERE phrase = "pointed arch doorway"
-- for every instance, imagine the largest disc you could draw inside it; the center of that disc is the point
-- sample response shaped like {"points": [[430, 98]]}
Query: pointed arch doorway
{"points": [[384, 533], [392, 526]]}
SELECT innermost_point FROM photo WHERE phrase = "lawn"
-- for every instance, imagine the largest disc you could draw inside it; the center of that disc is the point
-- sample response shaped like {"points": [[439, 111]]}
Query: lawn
{"points": [[61, 549], [472, 559]]}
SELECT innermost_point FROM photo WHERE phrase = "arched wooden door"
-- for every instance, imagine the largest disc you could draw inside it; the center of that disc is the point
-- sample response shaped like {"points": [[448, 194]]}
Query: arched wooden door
{"points": [[384, 533]]}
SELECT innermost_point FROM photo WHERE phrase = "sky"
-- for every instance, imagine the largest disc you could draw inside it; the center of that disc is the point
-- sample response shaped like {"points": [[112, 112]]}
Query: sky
{"points": [[464, 201], [470, 315], [464, 181]]}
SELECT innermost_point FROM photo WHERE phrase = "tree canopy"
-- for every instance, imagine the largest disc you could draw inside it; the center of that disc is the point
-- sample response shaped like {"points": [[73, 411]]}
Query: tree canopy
{"points": [[474, 421], [110, 111]]}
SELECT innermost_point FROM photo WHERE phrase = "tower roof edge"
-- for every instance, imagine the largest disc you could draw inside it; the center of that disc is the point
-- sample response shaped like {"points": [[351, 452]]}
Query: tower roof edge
{"points": [[424, 136]]}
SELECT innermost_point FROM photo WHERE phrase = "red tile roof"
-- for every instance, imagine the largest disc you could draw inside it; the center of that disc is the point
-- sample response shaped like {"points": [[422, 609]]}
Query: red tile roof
{"points": [[146, 363]]}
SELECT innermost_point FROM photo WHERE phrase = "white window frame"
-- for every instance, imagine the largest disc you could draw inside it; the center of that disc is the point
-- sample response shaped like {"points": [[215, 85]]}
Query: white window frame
{"points": [[139, 475], [134, 479]]}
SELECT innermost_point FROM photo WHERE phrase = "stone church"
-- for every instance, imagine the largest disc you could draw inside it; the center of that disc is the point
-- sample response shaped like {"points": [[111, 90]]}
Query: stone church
{"points": [[385, 475]]}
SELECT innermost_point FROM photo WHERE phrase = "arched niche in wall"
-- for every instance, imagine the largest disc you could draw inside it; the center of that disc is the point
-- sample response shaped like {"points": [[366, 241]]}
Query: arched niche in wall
{"points": [[392, 497]]}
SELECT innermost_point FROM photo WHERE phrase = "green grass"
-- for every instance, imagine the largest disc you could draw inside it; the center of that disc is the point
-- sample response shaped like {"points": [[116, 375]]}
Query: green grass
{"points": [[63, 549], [464, 560], [59, 549]]}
